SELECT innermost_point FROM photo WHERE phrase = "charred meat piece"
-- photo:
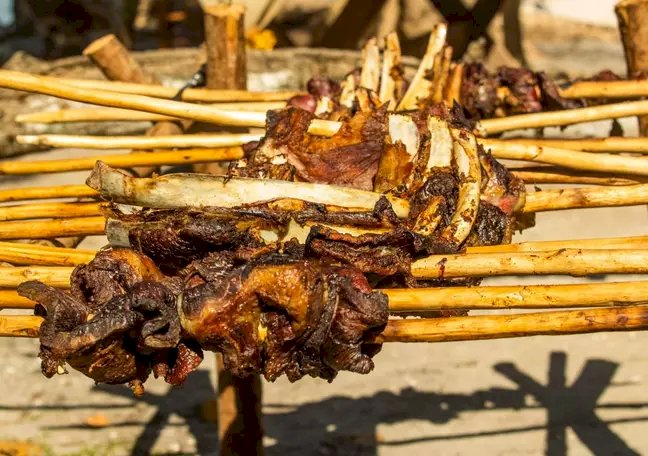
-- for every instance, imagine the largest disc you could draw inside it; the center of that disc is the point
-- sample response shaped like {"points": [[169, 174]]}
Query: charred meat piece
{"points": [[283, 316]]}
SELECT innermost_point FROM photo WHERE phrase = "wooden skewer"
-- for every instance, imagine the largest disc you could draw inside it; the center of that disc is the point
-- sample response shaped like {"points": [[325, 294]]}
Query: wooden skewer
{"points": [[630, 243], [140, 142], [174, 157], [38, 193], [610, 145], [47, 229], [55, 276], [554, 175], [10, 299], [49, 210], [488, 127], [606, 89], [517, 297], [192, 95], [573, 159], [583, 197], [574, 262], [123, 115], [42, 255], [520, 325], [456, 328]]}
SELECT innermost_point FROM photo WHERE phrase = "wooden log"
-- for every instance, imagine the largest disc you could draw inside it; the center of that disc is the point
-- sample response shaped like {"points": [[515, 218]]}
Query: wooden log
{"points": [[115, 62], [225, 46], [632, 16]]}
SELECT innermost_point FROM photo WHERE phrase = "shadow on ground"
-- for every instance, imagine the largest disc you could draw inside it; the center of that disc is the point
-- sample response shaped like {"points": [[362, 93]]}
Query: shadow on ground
{"points": [[347, 427]]}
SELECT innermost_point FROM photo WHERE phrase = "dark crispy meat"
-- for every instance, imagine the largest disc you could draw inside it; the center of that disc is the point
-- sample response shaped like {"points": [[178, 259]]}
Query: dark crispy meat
{"points": [[282, 316]]}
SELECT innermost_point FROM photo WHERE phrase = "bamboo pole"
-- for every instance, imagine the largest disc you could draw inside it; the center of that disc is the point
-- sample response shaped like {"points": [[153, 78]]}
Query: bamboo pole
{"points": [[609, 145], [553, 175], [606, 89], [574, 262], [450, 329], [488, 127], [140, 142], [584, 197], [47, 229], [517, 297], [124, 115], [42, 255], [49, 210], [572, 159], [39, 193], [174, 157], [190, 95], [519, 325]]}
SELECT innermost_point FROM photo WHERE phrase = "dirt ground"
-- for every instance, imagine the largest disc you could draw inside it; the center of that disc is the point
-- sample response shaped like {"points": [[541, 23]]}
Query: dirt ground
{"points": [[575, 395]]}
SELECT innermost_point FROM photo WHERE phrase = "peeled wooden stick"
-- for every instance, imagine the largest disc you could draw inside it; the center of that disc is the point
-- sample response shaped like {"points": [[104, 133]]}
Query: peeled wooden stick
{"points": [[629, 243], [572, 198], [572, 159], [122, 115], [610, 145], [574, 262], [38, 193], [554, 175], [606, 89], [47, 229], [33, 254], [49, 210], [10, 299], [192, 95], [50, 86], [519, 325], [174, 157], [114, 60], [488, 127], [456, 328], [54, 276], [140, 142], [517, 297]]}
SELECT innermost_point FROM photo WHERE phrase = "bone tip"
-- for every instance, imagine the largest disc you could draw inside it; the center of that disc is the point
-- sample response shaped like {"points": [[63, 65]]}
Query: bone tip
{"points": [[27, 139], [95, 179]]}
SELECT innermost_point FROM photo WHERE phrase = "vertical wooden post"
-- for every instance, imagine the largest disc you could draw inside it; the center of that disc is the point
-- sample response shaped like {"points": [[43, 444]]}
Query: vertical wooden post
{"points": [[239, 399], [632, 16], [117, 64]]}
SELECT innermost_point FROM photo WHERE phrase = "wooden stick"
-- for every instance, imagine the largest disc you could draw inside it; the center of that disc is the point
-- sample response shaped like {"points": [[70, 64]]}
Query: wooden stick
{"points": [[38, 193], [552, 175], [632, 16], [630, 243], [140, 142], [191, 95], [606, 89], [47, 229], [175, 157], [49, 210], [572, 159], [225, 46], [517, 297], [41, 255], [574, 262], [609, 145], [583, 197], [10, 299], [50, 86], [123, 115], [55, 276], [114, 60], [456, 328], [520, 325], [488, 127]]}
